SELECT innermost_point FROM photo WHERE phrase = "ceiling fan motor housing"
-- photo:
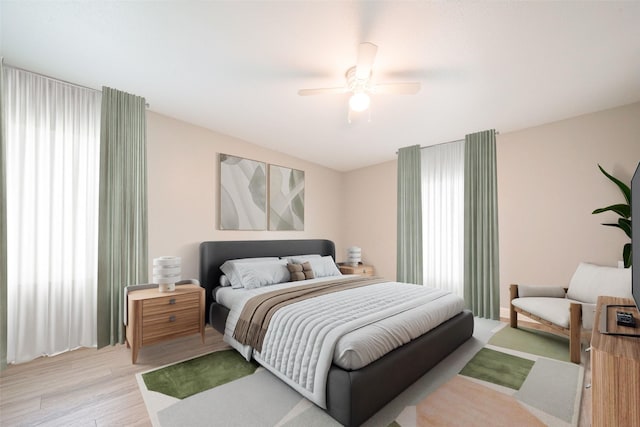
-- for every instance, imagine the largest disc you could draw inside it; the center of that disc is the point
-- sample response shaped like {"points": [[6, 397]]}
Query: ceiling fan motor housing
{"points": [[355, 84]]}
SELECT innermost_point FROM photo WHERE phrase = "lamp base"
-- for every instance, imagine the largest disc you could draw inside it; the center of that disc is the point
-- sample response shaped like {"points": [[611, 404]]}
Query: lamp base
{"points": [[166, 287]]}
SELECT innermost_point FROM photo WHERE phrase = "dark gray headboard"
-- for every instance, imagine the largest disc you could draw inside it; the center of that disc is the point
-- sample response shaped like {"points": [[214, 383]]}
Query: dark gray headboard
{"points": [[214, 254]]}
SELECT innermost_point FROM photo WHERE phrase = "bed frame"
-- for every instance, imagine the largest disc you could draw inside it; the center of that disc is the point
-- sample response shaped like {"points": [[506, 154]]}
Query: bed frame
{"points": [[352, 396]]}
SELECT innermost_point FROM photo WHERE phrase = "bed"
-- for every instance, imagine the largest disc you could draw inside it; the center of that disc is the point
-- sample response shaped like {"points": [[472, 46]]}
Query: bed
{"points": [[352, 395]]}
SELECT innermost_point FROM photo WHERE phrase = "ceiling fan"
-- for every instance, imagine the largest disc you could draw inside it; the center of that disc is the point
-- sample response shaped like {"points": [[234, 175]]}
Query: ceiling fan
{"points": [[359, 82]]}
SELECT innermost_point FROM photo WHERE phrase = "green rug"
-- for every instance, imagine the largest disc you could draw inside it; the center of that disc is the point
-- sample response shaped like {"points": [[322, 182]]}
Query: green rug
{"points": [[534, 363], [193, 376], [532, 341], [498, 368]]}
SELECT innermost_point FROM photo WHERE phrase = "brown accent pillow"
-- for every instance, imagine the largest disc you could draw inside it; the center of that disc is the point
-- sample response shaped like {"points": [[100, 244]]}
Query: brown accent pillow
{"points": [[295, 270], [300, 271]]}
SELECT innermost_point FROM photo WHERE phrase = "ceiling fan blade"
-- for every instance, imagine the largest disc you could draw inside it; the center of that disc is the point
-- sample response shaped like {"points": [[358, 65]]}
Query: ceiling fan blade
{"points": [[397, 88], [366, 55], [323, 91]]}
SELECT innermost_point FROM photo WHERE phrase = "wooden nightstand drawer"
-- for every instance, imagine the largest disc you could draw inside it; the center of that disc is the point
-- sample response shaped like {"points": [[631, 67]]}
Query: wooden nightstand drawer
{"points": [[361, 269], [155, 316], [169, 303], [171, 324]]}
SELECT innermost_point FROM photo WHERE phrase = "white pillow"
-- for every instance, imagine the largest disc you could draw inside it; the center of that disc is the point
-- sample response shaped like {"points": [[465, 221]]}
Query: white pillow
{"points": [[228, 268], [324, 266], [257, 274], [224, 281], [299, 259], [590, 280]]}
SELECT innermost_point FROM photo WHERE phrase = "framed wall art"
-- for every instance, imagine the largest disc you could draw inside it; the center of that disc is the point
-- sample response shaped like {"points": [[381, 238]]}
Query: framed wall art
{"points": [[286, 198], [243, 194]]}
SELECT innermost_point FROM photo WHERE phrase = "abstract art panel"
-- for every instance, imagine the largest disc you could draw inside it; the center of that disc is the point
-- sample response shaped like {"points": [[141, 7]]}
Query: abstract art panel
{"points": [[286, 198], [243, 194]]}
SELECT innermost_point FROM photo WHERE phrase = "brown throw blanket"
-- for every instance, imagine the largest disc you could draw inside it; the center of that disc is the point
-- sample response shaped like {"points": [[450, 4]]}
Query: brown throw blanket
{"points": [[257, 312]]}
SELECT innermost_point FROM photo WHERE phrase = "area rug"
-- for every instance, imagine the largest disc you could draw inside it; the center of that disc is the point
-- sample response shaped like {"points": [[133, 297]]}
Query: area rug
{"points": [[196, 375], [257, 398], [507, 386], [533, 342], [261, 399], [164, 386]]}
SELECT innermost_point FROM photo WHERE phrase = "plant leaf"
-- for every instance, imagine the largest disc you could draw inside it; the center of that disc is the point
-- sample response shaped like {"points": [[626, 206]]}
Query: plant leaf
{"points": [[620, 208], [625, 224], [622, 224], [624, 188], [612, 225], [626, 255]]}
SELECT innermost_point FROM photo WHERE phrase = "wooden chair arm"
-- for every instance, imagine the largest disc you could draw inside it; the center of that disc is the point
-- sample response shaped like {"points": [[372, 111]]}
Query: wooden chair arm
{"points": [[575, 311], [513, 291], [513, 314]]}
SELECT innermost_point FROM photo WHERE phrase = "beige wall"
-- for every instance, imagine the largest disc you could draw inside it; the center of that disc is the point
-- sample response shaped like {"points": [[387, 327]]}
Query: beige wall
{"points": [[183, 191], [548, 185], [370, 215]]}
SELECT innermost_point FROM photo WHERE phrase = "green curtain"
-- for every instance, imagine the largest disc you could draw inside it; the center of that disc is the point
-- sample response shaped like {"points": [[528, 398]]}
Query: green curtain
{"points": [[481, 256], [122, 234], [409, 264], [3, 231]]}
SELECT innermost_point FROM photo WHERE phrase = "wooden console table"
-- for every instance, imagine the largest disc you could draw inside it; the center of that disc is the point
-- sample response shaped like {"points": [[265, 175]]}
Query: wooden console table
{"points": [[615, 368]]}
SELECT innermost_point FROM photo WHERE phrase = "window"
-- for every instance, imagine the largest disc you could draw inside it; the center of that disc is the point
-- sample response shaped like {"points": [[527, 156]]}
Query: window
{"points": [[442, 169]]}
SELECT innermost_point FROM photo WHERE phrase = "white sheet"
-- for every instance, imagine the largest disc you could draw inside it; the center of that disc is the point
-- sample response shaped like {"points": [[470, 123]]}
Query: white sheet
{"points": [[362, 346]]}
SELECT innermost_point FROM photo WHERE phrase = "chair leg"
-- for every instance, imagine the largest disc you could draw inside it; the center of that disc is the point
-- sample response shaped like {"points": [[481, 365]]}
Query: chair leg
{"points": [[513, 314], [575, 312], [574, 349]]}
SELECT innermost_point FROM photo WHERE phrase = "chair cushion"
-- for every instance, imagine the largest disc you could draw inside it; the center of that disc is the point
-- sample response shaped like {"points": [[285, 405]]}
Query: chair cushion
{"points": [[525, 291], [554, 310], [590, 281]]}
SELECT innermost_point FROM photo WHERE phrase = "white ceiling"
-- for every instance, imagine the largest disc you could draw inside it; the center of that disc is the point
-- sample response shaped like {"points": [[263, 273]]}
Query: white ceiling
{"points": [[236, 66]]}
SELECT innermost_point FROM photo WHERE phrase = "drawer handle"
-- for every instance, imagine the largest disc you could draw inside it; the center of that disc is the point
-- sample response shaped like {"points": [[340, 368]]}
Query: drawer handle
{"points": [[172, 318], [172, 301]]}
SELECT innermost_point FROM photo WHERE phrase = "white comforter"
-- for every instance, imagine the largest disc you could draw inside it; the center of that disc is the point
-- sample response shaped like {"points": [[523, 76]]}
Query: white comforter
{"points": [[304, 338]]}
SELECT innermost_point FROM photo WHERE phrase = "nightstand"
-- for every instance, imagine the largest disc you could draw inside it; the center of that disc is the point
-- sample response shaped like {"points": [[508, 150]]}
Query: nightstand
{"points": [[361, 269], [158, 316]]}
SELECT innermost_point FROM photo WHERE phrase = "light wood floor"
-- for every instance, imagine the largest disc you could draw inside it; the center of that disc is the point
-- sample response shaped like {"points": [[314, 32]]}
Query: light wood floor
{"points": [[89, 387]]}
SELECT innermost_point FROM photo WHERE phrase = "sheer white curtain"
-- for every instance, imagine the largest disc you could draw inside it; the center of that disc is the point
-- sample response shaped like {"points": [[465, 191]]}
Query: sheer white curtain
{"points": [[443, 216], [53, 148]]}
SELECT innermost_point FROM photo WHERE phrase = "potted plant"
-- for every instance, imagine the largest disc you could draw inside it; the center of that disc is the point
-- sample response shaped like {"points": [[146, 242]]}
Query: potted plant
{"points": [[624, 210]]}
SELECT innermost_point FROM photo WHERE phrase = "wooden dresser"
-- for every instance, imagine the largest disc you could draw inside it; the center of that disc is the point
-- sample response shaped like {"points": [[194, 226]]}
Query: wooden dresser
{"points": [[158, 316], [615, 369]]}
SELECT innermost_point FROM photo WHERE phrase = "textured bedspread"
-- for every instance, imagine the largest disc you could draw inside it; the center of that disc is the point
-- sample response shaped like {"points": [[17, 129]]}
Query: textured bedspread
{"points": [[252, 325], [299, 344]]}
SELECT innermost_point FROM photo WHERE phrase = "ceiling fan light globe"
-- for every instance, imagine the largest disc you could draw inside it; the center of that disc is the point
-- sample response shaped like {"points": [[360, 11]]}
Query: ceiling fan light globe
{"points": [[359, 101]]}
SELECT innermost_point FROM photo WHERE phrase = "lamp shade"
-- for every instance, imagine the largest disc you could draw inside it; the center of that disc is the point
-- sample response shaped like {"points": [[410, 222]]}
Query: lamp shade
{"points": [[167, 271], [354, 255]]}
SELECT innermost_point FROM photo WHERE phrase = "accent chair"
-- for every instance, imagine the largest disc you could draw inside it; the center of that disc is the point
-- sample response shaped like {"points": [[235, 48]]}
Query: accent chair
{"points": [[570, 311]]}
